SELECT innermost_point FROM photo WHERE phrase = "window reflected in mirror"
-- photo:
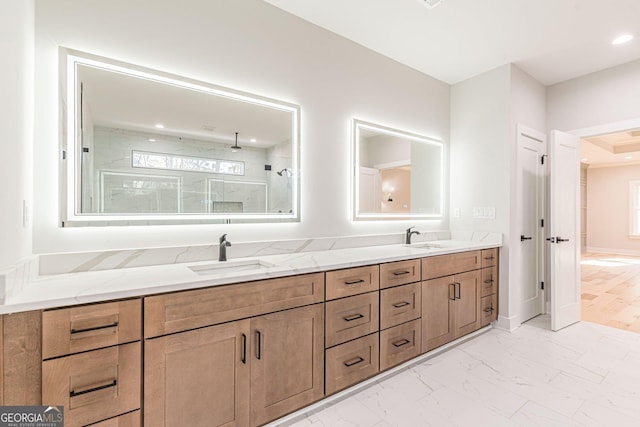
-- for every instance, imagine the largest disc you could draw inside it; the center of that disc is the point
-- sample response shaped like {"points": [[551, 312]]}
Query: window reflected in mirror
{"points": [[144, 146], [397, 174]]}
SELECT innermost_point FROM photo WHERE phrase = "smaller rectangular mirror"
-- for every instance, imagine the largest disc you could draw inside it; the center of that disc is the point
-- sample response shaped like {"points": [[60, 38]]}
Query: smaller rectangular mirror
{"points": [[397, 174]]}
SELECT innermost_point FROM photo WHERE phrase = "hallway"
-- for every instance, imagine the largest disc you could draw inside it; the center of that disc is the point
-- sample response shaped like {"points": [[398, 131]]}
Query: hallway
{"points": [[611, 290]]}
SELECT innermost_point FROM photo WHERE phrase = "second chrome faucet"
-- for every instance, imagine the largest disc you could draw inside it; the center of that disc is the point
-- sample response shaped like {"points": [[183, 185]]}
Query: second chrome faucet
{"points": [[222, 253]]}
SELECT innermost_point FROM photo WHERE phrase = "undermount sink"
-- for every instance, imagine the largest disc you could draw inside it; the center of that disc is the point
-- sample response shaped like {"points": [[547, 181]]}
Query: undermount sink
{"points": [[226, 267], [425, 246]]}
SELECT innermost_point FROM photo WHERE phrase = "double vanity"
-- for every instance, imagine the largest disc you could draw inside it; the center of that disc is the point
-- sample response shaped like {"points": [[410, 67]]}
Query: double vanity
{"points": [[242, 342]]}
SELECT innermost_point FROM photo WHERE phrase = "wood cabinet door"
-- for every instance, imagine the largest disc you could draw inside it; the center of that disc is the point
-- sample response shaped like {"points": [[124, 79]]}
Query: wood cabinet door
{"points": [[467, 304], [198, 378], [438, 322], [287, 362]]}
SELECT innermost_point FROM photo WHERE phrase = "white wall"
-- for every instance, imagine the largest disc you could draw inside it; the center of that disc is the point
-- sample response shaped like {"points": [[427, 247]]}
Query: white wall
{"points": [[247, 45], [16, 128], [608, 209], [604, 97]]}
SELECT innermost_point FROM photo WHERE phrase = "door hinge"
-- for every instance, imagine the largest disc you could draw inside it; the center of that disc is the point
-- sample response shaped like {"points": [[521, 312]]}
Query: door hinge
{"points": [[542, 223], [542, 285]]}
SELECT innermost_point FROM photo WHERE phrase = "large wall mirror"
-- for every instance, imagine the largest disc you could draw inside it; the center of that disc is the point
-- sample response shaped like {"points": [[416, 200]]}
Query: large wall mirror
{"points": [[397, 174], [145, 147]]}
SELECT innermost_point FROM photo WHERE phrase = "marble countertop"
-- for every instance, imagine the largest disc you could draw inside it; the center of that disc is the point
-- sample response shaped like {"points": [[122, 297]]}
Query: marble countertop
{"points": [[94, 286]]}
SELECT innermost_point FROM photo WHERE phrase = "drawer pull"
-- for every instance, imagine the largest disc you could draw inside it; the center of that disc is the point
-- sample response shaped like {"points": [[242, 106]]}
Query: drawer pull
{"points": [[489, 258], [259, 350], [353, 317], [401, 304], [95, 328], [74, 393], [488, 281], [354, 282], [350, 363], [401, 273], [488, 309], [401, 342], [244, 349]]}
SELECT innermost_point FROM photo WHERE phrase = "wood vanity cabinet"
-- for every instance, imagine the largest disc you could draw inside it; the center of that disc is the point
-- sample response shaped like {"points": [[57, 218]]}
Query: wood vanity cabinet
{"points": [[92, 362], [260, 364], [450, 304]]}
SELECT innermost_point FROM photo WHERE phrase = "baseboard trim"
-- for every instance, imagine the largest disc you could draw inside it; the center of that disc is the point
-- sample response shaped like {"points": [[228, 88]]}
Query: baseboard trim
{"points": [[507, 323], [613, 251]]}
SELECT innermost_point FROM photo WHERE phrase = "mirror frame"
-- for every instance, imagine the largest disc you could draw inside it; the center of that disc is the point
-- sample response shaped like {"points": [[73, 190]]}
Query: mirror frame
{"points": [[358, 124], [70, 179]]}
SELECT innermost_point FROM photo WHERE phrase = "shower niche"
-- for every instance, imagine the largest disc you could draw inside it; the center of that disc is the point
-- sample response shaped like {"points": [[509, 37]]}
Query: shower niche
{"points": [[141, 146]]}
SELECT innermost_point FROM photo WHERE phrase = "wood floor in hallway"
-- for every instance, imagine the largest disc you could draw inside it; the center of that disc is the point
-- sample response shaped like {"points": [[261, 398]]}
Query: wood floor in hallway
{"points": [[611, 290]]}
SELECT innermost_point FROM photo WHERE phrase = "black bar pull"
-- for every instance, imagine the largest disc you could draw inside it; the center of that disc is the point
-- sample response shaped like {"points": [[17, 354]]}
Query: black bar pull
{"points": [[350, 363], [489, 258], [244, 349], [401, 273], [456, 286], [74, 393], [401, 304], [488, 309], [400, 343], [452, 298], [488, 281], [523, 238], [353, 282], [259, 350], [95, 328], [353, 317]]}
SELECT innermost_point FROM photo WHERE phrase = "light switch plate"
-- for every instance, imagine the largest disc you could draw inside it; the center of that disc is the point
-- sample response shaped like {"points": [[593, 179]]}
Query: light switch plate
{"points": [[484, 212]]}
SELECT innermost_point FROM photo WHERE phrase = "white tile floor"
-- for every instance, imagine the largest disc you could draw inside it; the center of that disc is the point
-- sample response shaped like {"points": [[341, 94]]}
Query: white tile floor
{"points": [[583, 375]]}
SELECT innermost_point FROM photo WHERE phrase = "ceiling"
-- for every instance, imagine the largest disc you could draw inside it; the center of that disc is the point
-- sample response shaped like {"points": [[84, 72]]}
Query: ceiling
{"points": [[552, 40], [611, 150]]}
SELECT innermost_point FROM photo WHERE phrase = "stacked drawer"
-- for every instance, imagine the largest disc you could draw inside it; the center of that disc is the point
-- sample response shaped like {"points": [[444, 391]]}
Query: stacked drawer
{"points": [[351, 328], [400, 312], [489, 286], [92, 363]]}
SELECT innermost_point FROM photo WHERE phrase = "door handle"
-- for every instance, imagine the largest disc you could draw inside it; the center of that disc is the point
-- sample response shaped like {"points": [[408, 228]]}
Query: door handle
{"points": [[523, 238], [551, 239], [558, 240]]}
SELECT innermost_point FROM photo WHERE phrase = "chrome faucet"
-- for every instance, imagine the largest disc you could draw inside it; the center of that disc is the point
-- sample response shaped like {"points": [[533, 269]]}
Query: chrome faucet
{"points": [[408, 235], [222, 254]]}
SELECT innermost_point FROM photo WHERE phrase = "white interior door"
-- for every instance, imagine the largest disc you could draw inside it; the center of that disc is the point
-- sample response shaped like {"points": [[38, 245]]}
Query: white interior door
{"points": [[564, 229], [528, 245]]}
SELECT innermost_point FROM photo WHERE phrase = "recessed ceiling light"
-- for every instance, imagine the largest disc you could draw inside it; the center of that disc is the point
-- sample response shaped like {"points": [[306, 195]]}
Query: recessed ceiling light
{"points": [[253, 140], [628, 157], [430, 4], [152, 140], [622, 39], [159, 125]]}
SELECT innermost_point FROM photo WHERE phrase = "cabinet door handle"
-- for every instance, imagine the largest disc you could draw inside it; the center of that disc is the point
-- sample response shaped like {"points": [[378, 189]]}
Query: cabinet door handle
{"points": [[401, 304], [353, 317], [259, 350], [400, 343], [74, 393], [488, 309], [244, 349], [456, 291], [350, 363], [452, 286], [488, 281], [401, 273], [95, 328], [353, 282]]}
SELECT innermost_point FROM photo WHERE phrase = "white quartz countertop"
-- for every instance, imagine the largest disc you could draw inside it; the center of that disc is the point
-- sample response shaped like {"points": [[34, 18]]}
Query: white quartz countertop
{"points": [[94, 286]]}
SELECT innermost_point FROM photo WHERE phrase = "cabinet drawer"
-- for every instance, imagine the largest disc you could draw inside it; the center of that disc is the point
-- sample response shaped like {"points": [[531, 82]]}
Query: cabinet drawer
{"points": [[76, 329], [489, 257], [95, 385], [352, 281], [489, 281], [489, 309], [132, 419], [351, 317], [352, 362], [445, 265], [399, 305], [399, 344], [399, 273], [180, 311]]}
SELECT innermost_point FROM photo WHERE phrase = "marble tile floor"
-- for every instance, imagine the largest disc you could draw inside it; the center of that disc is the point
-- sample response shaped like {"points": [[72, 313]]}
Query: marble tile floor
{"points": [[584, 375], [611, 290]]}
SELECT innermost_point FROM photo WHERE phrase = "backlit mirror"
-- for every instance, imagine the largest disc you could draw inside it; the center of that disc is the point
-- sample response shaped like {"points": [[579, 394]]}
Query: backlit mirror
{"points": [[397, 174], [142, 146]]}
